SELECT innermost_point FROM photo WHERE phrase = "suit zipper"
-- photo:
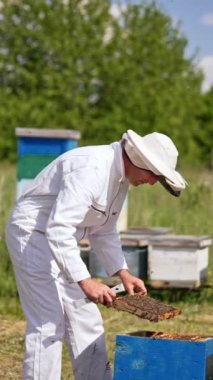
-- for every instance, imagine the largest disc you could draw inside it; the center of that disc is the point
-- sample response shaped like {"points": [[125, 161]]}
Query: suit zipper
{"points": [[112, 205], [96, 209], [103, 212]]}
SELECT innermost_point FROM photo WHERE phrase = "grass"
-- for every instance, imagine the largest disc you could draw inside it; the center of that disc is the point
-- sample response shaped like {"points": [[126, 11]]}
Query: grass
{"points": [[195, 319], [7, 200], [191, 214]]}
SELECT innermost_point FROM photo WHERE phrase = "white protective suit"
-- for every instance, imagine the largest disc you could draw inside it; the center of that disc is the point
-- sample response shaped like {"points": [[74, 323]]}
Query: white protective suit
{"points": [[80, 194]]}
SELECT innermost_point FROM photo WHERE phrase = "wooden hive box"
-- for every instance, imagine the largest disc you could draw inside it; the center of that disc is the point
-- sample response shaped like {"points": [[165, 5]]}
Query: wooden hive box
{"points": [[136, 258], [135, 241], [158, 356], [37, 148], [179, 261]]}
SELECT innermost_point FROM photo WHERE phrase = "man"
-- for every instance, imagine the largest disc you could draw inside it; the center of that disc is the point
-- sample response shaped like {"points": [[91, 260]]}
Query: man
{"points": [[79, 194]]}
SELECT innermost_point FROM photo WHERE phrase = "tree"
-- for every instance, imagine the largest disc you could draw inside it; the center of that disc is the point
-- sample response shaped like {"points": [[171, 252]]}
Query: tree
{"points": [[73, 65], [49, 62], [148, 83], [204, 131]]}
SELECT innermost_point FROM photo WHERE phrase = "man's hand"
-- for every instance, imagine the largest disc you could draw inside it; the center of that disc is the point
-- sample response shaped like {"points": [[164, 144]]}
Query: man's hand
{"points": [[131, 283], [97, 292]]}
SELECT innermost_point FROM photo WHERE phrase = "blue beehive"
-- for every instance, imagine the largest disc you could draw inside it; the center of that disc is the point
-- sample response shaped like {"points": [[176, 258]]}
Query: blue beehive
{"points": [[136, 258], [153, 356], [37, 148]]}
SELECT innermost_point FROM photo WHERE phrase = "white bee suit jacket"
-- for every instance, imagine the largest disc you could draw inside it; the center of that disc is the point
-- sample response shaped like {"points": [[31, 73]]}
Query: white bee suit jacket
{"points": [[80, 194]]}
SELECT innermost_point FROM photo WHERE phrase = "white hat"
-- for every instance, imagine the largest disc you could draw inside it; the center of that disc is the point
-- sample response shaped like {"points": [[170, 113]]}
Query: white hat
{"points": [[155, 152]]}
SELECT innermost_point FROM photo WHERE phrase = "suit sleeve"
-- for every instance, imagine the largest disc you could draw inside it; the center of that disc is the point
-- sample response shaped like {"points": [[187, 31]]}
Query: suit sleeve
{"points": [[69, 210]]}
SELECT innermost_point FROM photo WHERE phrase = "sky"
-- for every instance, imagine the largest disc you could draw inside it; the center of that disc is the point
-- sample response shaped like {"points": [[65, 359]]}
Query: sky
{"points": [[196, 18]]}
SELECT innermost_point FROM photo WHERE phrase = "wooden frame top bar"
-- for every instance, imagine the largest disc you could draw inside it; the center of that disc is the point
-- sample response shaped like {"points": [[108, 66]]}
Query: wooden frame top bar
{"points": [[48, 133]]}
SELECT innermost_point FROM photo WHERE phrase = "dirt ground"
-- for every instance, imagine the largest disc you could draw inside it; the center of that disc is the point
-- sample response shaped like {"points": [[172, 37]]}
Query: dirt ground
{"points": [[12, 351], [195, 319], [11, 348]]}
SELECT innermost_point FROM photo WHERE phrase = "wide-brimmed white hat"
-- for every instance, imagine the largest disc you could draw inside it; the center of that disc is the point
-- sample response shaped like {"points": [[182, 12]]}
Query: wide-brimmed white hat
{"points": [[155, 152]]}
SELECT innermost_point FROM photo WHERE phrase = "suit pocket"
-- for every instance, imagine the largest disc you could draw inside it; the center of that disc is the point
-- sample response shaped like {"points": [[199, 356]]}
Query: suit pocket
{"points": [[95, 216]]}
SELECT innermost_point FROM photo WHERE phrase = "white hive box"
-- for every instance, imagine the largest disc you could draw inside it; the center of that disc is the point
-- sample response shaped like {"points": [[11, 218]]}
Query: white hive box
{"points": [[179, 261], [134, 241]]}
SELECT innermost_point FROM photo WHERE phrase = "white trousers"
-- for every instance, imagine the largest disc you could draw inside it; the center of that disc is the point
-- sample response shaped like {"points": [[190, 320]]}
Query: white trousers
{"points": [[52, 314]]}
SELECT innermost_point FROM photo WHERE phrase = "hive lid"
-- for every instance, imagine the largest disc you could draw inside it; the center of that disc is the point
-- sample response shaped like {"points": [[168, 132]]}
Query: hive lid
{"points": [[181, 241], [49, 133], [170, 336], [144, 230], [140, 236]]}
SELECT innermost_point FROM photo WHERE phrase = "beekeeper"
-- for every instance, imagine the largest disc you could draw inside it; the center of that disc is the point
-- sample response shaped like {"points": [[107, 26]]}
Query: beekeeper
{"points": [[80, 194]]}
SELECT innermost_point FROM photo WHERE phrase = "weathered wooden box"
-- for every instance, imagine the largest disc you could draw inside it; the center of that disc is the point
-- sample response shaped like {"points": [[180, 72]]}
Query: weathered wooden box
{"points": [[179, 261], [157, 356], [135, 241], [136, 258], [37, 148]]}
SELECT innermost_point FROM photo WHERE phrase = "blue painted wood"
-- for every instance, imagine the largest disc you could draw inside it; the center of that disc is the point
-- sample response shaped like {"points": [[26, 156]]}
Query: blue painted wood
{"points": [[209, 360], [47, 146], [143, 358], [136, 258], [29, 166]]}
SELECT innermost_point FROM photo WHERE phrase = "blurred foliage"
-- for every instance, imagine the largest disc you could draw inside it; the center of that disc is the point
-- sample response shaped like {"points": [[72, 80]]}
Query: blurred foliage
{"points": [[203, 136], [74, 65], [189, 214], [7, 200]]}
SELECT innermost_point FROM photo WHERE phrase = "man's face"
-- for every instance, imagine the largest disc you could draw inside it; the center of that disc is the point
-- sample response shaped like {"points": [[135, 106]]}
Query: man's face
{"points": [[138, 176]]}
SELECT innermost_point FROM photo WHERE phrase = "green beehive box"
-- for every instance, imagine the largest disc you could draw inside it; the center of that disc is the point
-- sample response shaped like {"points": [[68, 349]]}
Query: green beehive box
{"points": [[30, 166]]}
